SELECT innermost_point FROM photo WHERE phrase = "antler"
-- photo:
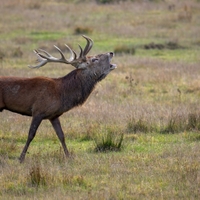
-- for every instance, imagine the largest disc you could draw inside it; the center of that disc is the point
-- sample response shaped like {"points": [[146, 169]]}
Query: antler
{"points": [[75, 60]]}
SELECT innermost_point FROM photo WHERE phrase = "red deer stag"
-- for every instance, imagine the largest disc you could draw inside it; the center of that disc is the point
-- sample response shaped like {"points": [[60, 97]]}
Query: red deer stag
{"points": [[48, 98]]}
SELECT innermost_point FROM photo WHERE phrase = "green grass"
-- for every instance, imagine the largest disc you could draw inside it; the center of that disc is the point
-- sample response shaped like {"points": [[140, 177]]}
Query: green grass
{"points": [[147, 166], [182, 55], [46, 35]]}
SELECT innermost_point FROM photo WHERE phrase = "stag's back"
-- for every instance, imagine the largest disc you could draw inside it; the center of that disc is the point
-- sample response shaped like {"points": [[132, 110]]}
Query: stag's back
{"points": [[28, 95]]}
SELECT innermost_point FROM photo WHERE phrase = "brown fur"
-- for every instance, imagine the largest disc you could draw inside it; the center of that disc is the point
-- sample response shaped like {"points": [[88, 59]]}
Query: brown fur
{"points": [[48, 98]]}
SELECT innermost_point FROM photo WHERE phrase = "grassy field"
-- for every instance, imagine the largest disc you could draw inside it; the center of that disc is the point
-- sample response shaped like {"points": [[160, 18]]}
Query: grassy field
{"points": [[152, 99]]}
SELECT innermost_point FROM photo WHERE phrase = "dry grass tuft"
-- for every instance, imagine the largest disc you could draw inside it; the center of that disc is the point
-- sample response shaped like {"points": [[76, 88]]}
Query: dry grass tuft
{"points": [[37, 177], [109, 141]]}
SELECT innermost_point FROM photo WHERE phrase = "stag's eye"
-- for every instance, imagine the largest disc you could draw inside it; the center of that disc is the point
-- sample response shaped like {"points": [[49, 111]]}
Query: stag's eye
{"points": [[94, 59]]}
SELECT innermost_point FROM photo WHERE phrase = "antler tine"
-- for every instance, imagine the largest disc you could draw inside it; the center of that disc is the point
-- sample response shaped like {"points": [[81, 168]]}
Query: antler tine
{"points": [[42, 61], [81, 53], [72, 53], [75, 55], [88, 45], [45, 57], [62, 59], [48, 54]]}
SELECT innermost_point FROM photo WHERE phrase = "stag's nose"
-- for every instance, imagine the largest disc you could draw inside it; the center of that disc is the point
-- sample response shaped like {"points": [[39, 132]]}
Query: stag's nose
{"points": [[111, 54]]}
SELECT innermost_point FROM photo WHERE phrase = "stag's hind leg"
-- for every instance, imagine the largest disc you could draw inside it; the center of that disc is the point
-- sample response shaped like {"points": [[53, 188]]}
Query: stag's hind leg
{"points": [[32, 131], [57, 127]]}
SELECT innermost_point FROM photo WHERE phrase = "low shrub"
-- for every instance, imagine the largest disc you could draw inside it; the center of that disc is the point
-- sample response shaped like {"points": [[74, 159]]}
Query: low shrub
{"points": [[153, 45], [106, 1], [193, 122], [177, 124], [172, 45], [174, 125], [17, 52], [140, 125], [2, 54], [82, 30], [34, 5], [123, 49]]}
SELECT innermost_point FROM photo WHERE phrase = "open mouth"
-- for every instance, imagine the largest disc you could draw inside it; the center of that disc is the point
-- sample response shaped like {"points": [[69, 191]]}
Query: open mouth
{"points": [[113, 66]]}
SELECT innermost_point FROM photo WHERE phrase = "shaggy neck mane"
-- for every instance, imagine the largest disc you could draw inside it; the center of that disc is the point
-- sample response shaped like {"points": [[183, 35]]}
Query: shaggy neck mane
{"points": [[77, 88]]}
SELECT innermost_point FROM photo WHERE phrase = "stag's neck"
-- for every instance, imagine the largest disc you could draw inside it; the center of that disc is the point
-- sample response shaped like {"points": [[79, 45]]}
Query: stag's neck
{"points": [[77, 88]]}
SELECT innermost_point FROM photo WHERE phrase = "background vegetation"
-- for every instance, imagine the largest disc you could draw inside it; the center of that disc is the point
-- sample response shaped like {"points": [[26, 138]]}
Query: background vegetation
{"points": [[137, 137]]}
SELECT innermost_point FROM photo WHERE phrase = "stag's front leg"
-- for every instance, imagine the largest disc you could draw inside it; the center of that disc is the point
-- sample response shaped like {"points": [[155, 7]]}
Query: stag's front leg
{"points": [[32, 131], [57, 127]]}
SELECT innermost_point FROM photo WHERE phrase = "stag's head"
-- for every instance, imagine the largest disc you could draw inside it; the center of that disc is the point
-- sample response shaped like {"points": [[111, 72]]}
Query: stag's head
{"points": [[97, 66]]}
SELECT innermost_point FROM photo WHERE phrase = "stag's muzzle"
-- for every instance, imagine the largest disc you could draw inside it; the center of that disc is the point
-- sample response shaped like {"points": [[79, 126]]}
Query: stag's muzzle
{"points": [[112, 66]]}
